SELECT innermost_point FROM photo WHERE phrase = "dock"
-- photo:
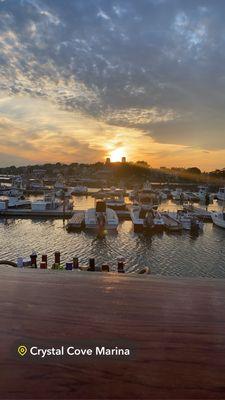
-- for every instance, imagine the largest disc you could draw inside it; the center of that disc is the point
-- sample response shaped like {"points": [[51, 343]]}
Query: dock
{"points": [[28, 213], [175, 328], [76, 222], [200, 213]]}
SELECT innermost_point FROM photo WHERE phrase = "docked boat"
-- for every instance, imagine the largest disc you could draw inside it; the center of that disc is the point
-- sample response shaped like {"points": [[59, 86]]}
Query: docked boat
{"points": [[79, 190], [14, 203], [117, 203], [188, 221], [164, 194], [191, 197], [177, 194], [104, 193], [146, 197], [204, 194], [221, 194], [101, 218], [218, 219], [49, 202], [146, 219]]}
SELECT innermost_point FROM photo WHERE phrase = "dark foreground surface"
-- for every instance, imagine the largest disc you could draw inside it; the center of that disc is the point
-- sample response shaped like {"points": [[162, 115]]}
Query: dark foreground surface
{"points": [[176, 326]]}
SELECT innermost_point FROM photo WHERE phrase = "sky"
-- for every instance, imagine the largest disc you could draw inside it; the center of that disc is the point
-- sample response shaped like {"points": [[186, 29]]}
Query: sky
{"points": [[81, 80]]}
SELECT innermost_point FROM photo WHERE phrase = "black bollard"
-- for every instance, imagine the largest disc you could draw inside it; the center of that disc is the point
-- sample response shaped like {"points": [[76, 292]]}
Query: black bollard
{"points": [[75, 262], [33, 259], [105, 268], [91, 264], [44, 258], [57, 257], [120, 268]]}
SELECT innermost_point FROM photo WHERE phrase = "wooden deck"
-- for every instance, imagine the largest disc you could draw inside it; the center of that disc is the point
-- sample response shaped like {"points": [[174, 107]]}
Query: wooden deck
{"points": [[177, 328]]}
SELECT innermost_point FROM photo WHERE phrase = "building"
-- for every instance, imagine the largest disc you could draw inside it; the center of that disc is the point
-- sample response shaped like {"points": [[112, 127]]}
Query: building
{"points": [[108, 161], [124, 160]]}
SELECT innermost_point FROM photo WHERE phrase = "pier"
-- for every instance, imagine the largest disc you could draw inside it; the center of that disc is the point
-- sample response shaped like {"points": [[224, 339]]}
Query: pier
{"points": [[175, 326], [28, 213]]}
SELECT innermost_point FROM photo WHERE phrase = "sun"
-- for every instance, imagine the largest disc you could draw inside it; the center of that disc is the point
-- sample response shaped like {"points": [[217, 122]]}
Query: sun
{"points": [[117, 154]]}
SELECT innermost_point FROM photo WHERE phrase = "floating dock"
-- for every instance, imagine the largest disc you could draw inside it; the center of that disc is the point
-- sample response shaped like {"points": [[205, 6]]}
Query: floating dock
{"points": [[28, 213], [76, 222]]}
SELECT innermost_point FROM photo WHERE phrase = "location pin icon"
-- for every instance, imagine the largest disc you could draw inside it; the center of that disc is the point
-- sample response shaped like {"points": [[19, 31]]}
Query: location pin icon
{"points": [[22, 350]]}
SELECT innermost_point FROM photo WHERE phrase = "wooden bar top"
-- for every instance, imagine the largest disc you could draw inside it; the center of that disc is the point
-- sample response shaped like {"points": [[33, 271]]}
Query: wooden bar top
{"points": [[177, 327]]}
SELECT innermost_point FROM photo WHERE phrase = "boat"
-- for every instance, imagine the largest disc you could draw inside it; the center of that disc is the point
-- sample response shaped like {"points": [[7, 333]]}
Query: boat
{"points": [[218, 219], [113, 191], [101, 218], [191, 197], [176, 194], [14, 202], [146, 197], [49, 202], [171, 223], [117, 203], [221, 194], [203, 194], [188, 221], [79, 190], [163, 195], [146, 219]]}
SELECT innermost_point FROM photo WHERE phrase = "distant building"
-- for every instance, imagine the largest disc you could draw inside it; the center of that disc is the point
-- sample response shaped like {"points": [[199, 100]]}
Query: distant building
{"points": [[108, 161], [39, 172], [124, 160]]}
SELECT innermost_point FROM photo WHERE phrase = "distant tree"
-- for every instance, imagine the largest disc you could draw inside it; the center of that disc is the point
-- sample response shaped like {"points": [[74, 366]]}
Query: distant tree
{"points": [[194, 170], [142, 163]]}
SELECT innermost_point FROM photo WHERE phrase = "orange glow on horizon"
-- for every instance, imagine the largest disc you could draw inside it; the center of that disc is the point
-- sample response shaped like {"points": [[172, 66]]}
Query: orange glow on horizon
{"points": [[117, 154]]}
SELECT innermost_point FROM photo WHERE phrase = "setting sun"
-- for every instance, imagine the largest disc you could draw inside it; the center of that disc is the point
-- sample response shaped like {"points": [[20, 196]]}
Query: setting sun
{"points": [[117, 155]]}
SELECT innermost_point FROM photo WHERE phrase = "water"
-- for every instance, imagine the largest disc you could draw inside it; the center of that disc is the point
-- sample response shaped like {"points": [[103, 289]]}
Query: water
{"points": [[166, 254]]}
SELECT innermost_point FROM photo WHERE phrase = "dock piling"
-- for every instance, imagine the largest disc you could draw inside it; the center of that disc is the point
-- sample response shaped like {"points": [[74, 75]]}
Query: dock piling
{"points": [[75, 262], [120, 267], [33, 260], [91, 264], [105, 268]]}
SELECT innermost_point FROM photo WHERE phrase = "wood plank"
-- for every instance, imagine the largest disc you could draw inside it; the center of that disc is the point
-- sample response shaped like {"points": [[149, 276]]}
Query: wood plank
{"points": [[177, 328]]}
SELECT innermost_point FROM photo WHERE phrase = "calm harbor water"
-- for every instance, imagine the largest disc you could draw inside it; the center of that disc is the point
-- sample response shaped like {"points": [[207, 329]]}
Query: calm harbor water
{"points": [[166, 254]]}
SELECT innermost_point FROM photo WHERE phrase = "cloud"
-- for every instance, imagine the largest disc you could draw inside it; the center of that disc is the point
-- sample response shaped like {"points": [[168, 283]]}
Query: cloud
{"points": [[142, 67]]}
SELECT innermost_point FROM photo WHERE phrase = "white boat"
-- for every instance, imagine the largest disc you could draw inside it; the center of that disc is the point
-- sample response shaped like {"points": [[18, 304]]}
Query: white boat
{"points": [[113, 191], [146, 219], [146, 197], [101, 218], [18, 202], [14, 202], [204, 194], [176, 194], [221, 194], [117, 203], [48, 203], [188, 221], [218, 219], [191, 197], [79, 190], [163, 195]]}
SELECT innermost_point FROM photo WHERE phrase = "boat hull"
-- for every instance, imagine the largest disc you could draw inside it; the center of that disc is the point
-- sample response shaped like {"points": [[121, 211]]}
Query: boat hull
{"points": [[218, 221]]}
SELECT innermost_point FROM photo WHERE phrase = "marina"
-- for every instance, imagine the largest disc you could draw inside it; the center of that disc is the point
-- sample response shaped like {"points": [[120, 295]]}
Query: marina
{"points": [[169, 252]]}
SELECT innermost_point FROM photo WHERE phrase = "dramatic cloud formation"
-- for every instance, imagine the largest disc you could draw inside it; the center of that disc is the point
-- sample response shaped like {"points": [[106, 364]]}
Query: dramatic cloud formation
{"points": [[79, 79]]}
